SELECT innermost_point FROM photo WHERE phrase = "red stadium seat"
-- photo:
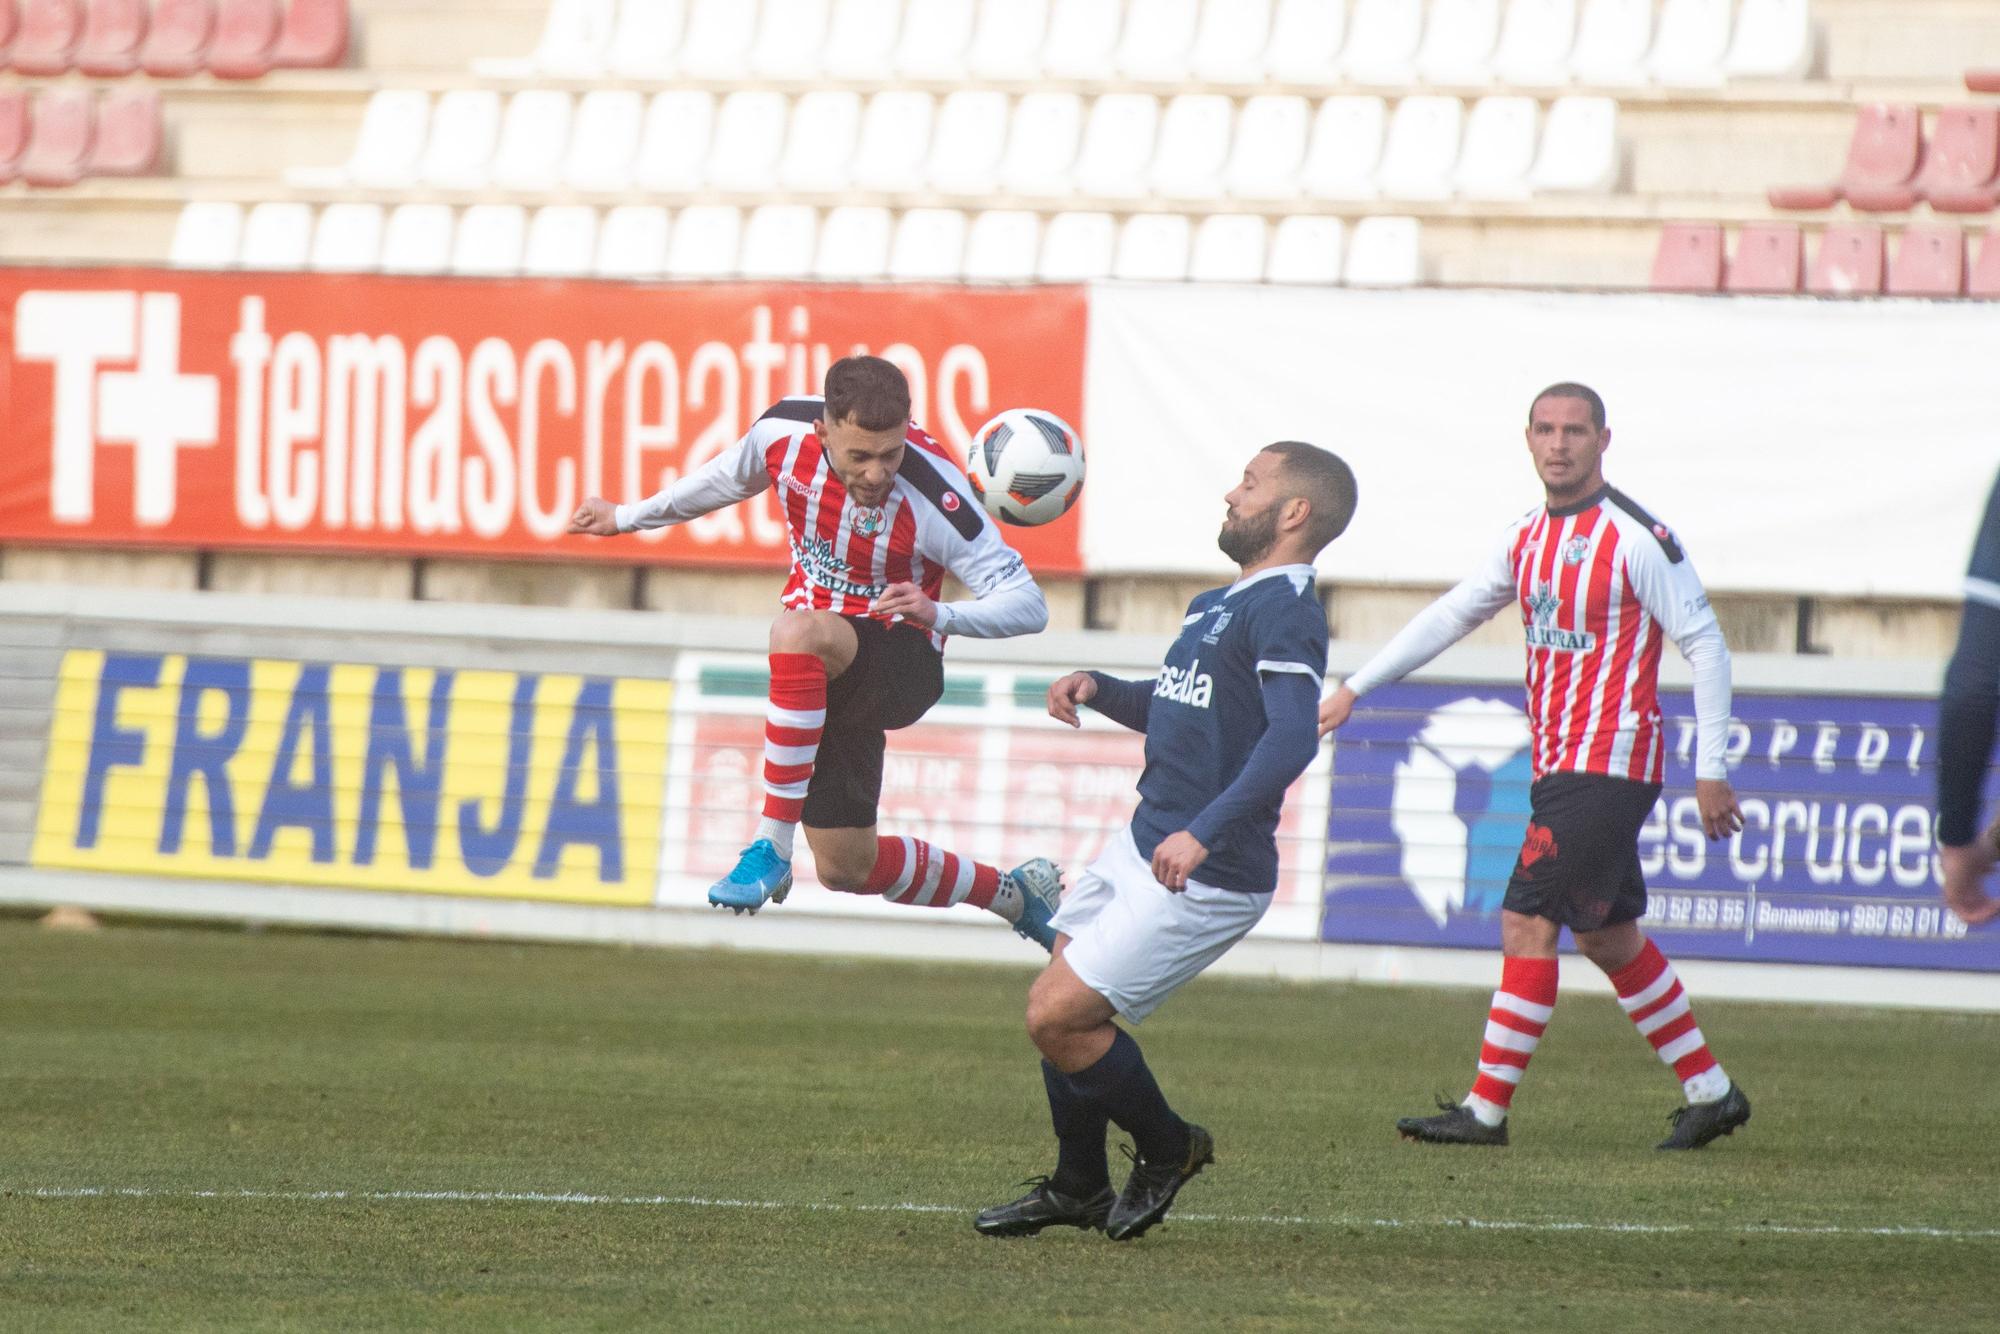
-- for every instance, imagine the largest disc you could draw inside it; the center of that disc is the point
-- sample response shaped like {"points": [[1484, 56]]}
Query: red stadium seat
{"points": [[1983, 80], [1929, 261], [46, 41], [10, 23], [246, 36], [1689, 258], [1882, 161], [59, 144], [1849, 262], [314, 36], [1770, 259], [1960, 172], [1983, 278], [177, 44], [113, 31], [129, 134], [14, 123]]}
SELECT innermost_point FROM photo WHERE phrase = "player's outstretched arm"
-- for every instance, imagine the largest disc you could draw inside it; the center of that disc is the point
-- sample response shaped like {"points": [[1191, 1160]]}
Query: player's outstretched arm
{"points": [[595, 517], [1070, 693]]}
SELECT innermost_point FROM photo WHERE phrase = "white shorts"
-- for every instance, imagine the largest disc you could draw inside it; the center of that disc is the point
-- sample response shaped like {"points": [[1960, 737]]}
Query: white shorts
{"points": [[1133, 941]]}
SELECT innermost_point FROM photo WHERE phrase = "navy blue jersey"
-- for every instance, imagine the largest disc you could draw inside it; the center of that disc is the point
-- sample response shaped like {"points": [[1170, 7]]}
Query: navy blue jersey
{"points": [[1968, 713], [1208, 712]]}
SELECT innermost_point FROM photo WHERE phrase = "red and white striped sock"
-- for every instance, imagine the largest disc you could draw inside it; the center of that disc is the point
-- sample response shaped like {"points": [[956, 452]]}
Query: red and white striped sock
{"points": [[793, 720], [911, 871], [1652, 996], [1514, 1027]]}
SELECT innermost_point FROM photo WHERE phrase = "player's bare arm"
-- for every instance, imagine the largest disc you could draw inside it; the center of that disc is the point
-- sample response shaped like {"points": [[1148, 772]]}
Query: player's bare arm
{"points": [[1965, 871], [1720, 814], [595, 517], [1069, 694], [907, 601]]}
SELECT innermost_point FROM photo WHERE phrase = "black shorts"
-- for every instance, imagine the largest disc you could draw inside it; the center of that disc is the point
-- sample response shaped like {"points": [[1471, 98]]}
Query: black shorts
{"points": [[894, 679], [1579, 865]]}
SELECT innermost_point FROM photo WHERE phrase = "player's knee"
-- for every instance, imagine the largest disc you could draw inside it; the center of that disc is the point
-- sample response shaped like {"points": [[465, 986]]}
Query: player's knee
{"points": [[1048, 1024], [843, 878]]}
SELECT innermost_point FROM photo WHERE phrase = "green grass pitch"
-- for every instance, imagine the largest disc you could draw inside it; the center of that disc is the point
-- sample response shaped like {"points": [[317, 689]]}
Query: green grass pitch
{"points": [[341, 1132]]}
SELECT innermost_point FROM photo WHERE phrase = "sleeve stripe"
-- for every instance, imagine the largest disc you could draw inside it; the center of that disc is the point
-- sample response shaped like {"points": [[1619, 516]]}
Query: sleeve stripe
{"points": [[1280, 665], [1983, 590]]}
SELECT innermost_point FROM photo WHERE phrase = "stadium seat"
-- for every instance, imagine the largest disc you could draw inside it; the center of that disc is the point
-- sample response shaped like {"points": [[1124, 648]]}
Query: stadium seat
{"points": [[1346, 148], [861, 39], [1307, 37], [113, 31], [388, 151], [1042, 142], [632, 242], [1961, 171], [1000, 246], [15, 123], [1929, 261], [1117, 146], [936, 35], [643, 43], [417, 239], [715, 44], [929, 245], [276, 235], [1769, 259], [1270, 148], [1580, 150], [1228, 248], [968, 142], [749, 138], [177, 39], [489, 240], [1983, 278], [1385, 252], [1083, 36], [130, 135], [854, 243], [779, 241], [10, 23], [1193, 147], [1077, 248], [1689, 258], [1152, 247], [206, 235], [820, 142], [1849, 262], [704, 241], [1382, 41], [1229, 41], [1612, 39], [1421, 151], [1774, 40], [46, 37], [790, 34], [1983, 80], [575, 44], [562, 239], [1882, 160], [315, 35], [534, 137], [1499, 149], [61, 127], [246, 39], [1306, 249], [1459, 38], [603, 147], [1690, 43], [895, 134], [1007, 40], [347, 238], [673, 143], [1158, 40], [465, 130], [1536, 43]]}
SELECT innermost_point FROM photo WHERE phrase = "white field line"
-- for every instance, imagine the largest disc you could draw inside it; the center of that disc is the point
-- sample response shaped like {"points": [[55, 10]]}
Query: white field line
{"points": [[809, 1206]]}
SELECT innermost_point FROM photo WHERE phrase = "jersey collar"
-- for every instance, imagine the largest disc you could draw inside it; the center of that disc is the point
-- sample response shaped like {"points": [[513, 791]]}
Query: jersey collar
{"points": [[1300, 575], [1593, 499]]}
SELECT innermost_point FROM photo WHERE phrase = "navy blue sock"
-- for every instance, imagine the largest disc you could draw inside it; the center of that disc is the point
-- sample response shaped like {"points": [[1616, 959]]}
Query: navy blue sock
{"points": [[1081, 1170], [1122, 1086]]}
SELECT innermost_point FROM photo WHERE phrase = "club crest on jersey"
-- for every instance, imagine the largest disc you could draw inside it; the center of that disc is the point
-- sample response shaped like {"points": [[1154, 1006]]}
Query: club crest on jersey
{"points": [[868, 521], [1544, 609], [1185, 685], [1221, 624], [1575, 550]]}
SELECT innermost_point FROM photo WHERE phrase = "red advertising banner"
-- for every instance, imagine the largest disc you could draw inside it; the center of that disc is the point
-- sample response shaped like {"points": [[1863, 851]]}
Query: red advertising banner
{"points": [[463, 417]]}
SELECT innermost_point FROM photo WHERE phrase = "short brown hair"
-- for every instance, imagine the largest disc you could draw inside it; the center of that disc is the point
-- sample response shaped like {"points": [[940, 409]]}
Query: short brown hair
{"points": [[870, 390], [1324, 482], [1571, 389]]}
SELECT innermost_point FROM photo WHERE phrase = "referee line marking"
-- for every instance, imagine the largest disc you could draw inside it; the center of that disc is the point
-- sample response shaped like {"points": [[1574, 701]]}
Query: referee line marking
{"points": [[906, 1207]]}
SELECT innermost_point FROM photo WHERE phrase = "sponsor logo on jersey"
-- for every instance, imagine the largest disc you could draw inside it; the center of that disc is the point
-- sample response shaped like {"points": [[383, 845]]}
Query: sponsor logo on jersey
{"points": [[794, 484], [1545, 608], [1575, 550], [950, 502], [1189, 685], [868, 521], [822, 565], [1214, 634]]}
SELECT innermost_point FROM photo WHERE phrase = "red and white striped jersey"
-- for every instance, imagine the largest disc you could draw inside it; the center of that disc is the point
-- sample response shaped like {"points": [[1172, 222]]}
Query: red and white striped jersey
{"points": [[843, 554]]}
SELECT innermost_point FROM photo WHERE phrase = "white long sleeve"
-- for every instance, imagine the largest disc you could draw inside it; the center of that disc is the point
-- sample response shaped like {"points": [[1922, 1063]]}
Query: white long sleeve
{"points": [[1018, 609], [1672, 594], [1446, 621], [736, 474]]}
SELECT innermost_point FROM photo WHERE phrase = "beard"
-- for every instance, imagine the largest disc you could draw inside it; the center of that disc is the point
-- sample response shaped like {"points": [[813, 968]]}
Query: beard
{"points": [[1247, 540]]}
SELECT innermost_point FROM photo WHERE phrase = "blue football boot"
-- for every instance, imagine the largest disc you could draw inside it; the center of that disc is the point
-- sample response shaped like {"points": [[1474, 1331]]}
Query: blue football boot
{"points": [[761, 876], [1040, 884]]}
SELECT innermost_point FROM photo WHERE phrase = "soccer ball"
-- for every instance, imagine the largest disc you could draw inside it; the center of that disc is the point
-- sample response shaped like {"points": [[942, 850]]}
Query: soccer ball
{"points": [[1026, 466]]}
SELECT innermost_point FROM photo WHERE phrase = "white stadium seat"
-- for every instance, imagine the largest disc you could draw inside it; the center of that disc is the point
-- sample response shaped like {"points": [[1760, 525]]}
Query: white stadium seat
{"points": [[347, 238], [1499, 149], [489, 240], [673, 143], [1774, 40], [1346, 148], [1007, 40], [854, 243], [968, 142], [929, 245], [1270, 148], [1193, 147], [861, 39], [820, 143], [1580, 150], [1306, 249], [207, 235], [1421, 152], [749, 137], [1382, 41], [1042, 142], [1307, 37], [790, 34], [465, 129], [1000, 246], [1077, 247], [1158, 40], [632, 242], [604, 140], [1083, 35], [1385, 252], [779, 241], [1229, 42], [1692, 40], [576, 37], [388, 150], [1228, 248], [562, 241], [1535, 43], [1612, 39], [417, 239], [936, 35], [1459, 39], [276, 235], [895, 134], [716, 42], [1118, 146], [649, 32], [534, 137], [703, 241], [1152, 247]]}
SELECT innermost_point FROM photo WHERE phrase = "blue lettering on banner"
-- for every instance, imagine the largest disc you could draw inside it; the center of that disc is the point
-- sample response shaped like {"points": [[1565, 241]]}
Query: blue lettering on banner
{"points": [[206, 755], [289, 804], [592, 822], [418, 786], [488, 849], [110, 744]]}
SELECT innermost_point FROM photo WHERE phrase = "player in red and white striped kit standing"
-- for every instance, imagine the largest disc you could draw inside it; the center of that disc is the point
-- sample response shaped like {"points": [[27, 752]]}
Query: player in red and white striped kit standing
{"points": [[1600, 584], [877, 512]]}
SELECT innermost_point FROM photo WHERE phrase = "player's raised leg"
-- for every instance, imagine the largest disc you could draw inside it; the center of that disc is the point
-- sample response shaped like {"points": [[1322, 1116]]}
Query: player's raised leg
{"points": [[918, 874]]}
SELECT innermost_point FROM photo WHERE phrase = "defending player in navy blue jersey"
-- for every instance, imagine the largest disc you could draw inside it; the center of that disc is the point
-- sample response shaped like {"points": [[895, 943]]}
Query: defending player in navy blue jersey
{"points": [[1966, 718], [1230, 723]]}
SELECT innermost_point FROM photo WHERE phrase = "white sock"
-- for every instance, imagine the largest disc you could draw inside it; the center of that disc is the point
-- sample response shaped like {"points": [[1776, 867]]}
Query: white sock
{"points": [[1711, 1085], [1489, 1113], [1007, 901], [780, 833]]}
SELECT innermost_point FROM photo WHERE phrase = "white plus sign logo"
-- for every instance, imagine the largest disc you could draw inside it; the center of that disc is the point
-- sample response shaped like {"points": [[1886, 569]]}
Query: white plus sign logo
{"points": [[152, 407]]}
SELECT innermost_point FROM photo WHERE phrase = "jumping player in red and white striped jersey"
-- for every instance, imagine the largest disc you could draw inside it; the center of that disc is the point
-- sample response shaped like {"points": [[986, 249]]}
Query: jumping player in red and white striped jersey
{"points": [[1600, 585], [877, 513]]}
